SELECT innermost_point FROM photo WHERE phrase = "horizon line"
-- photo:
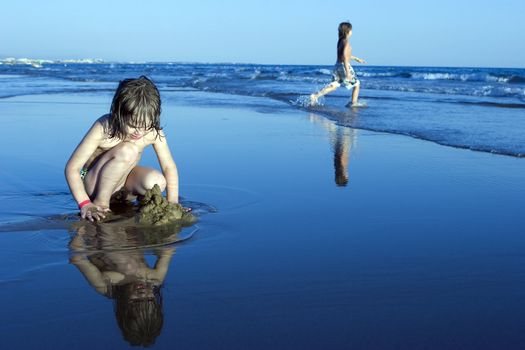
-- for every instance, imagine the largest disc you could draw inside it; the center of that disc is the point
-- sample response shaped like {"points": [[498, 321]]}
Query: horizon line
{"points": [[103, 61]]}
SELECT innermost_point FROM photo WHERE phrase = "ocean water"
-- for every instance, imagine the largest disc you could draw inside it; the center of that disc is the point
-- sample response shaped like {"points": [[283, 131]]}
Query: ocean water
{"points": [[481, 109], [311, 234]]}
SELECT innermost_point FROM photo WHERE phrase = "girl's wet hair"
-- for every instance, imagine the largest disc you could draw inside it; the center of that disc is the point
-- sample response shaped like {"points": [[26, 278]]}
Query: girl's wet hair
{"points": [[344, 29], [141, 320], [136, 104]]}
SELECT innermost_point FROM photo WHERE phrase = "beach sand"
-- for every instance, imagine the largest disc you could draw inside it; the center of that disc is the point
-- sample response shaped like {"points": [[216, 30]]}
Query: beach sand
{"points": [[422, 249]]}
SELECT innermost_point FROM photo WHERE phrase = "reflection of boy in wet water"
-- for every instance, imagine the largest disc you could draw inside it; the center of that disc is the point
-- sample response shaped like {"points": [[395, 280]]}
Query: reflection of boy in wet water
{"points": [[342, 140], [341, 155], [125, 277]]}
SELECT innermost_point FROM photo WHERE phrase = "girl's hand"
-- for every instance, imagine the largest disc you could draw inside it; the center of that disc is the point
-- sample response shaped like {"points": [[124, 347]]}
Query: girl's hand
{"points": [[93, 212], [360, 60]]}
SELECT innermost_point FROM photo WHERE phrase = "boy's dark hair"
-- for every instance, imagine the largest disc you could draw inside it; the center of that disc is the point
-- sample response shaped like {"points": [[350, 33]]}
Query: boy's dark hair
{"points": [[136, 104], [344, 29]]}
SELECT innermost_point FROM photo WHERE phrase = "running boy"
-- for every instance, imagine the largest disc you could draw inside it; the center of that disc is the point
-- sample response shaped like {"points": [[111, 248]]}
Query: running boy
{"points": [[105, 161], [343, 72]]}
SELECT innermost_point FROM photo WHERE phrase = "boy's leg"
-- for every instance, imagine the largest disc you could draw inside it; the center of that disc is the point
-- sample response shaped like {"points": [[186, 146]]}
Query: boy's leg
{"points": [[327, 89], [110, 171], [355, 93]]}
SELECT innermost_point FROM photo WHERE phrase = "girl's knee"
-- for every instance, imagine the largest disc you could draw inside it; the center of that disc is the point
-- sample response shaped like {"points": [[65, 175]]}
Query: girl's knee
{"points": [[153, 178], [127, 152]]}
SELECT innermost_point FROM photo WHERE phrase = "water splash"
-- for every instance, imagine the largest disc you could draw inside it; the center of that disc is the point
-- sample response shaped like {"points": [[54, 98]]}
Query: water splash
{"points": [[305, 101]]}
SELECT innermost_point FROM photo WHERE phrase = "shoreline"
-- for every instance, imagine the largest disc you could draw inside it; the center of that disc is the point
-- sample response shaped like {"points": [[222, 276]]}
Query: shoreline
{"points": [[293, 106], [472, 109]]}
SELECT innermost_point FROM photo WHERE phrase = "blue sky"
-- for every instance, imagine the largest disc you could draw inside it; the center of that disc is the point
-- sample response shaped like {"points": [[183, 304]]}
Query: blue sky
{"points": [[421, 33]]}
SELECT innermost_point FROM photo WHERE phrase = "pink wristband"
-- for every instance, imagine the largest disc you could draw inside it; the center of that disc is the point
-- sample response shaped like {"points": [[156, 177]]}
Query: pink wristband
{"points": [[81, 204]]}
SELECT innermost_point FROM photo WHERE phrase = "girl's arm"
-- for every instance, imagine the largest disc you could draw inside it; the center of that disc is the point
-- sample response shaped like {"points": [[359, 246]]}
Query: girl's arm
{"points": [[164, 256], [80, 156], [91, 273], [169, 169]]}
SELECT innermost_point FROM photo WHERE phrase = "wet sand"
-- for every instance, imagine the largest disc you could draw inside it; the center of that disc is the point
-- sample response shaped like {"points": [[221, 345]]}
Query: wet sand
{"points": [[324, 237]]}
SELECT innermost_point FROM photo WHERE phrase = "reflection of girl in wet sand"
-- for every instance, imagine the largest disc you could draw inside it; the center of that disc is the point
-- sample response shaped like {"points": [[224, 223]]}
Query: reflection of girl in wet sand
{"points": [[342, 140], [124, 276]]}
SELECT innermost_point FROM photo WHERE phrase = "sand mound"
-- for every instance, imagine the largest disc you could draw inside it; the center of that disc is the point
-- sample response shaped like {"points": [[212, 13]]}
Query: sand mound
{"points": [[155, 210]]}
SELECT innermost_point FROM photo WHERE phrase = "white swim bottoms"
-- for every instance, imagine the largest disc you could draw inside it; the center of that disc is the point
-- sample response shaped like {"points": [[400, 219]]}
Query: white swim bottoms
{"points": [[339, 76]]}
